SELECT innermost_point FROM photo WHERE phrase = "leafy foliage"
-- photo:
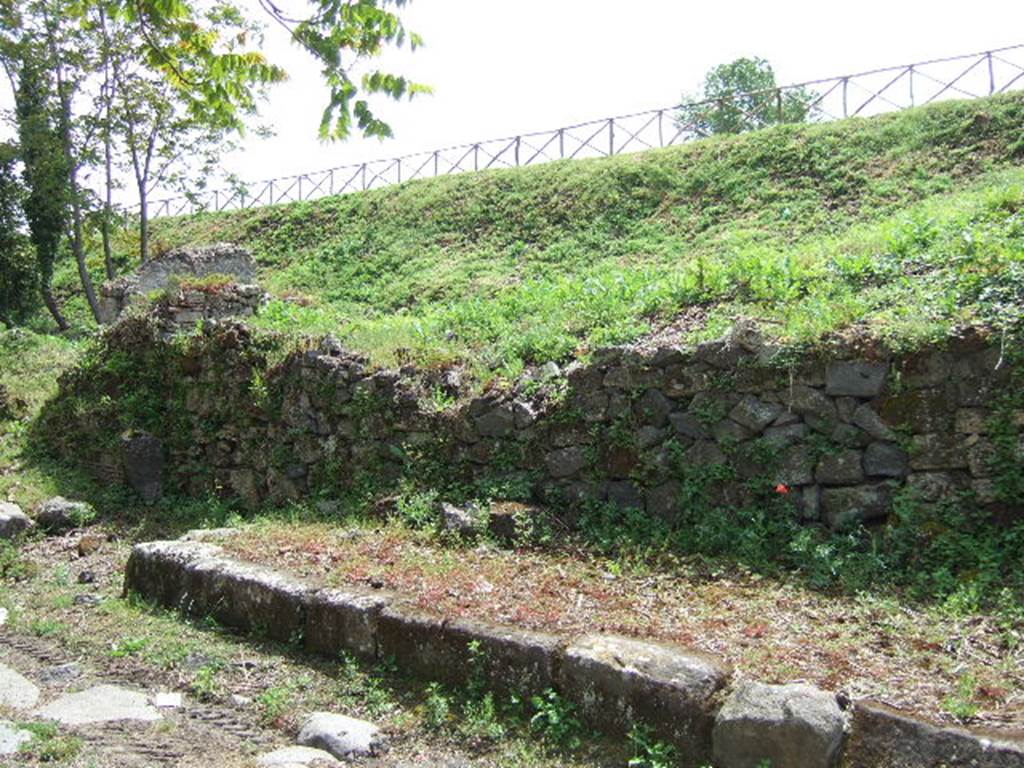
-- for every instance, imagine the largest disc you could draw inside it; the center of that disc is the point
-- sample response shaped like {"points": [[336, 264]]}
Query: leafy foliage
{"points": [[743, 96], [18, 281]]}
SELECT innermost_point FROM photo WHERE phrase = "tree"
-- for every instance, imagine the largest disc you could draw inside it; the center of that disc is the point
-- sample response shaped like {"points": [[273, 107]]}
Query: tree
{"points": [[45, 202], [336, 32], [17, 270], [743, 96]]}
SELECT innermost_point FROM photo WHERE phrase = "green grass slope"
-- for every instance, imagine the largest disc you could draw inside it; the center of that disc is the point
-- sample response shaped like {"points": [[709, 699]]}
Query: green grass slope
{"points": [[905, 224]]}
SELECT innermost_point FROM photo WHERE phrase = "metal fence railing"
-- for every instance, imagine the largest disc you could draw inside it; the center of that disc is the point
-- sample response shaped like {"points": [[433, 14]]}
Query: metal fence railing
{"points": [[862, 94]]}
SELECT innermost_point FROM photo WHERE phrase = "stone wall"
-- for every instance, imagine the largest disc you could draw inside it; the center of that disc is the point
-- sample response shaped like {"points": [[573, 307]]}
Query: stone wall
{"points": [[166, 270], [837, 434]]}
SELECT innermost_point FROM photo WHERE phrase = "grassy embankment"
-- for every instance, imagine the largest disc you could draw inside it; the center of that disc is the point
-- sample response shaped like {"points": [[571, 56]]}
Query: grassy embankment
{"points": [[907, 225]]}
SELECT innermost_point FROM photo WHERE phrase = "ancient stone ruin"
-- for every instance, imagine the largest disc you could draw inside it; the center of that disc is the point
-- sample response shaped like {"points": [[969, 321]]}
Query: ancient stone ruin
{"points": [[838, 435], [189, 285]]}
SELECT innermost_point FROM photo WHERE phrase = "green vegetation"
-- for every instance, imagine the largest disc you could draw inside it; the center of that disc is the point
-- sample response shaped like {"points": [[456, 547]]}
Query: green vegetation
{"points": [[906, 225]]}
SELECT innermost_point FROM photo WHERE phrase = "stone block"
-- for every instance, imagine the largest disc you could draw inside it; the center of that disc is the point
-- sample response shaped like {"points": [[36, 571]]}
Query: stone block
{"points": [[344, 620], [855, 378], [787, 726], [498, 422], [511, 660], [754, 414], [653, 408], [855, 504], [796, 466], [13, 522], [817, 408], [937, 451], [417, 641], [867, 419], [247, 597], [885, 460], [156, 570], [840, 468], [142, 456], [688, 425], [972, 421], [565, 462], [617, 682]]}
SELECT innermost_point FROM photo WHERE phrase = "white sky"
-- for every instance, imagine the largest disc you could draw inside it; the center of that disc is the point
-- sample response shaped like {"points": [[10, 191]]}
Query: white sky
{"points": [[500, 68]]}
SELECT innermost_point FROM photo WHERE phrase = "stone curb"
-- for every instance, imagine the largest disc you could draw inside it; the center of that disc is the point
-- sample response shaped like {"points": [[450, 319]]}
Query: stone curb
{"points": [[614, 681]]}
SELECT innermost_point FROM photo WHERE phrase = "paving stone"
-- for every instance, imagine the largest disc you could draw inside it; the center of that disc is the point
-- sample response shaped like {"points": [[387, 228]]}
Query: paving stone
{"points": [[12, 737], [787, 726], [344, 737], [16, 690], [100, 704], [289, 757]]}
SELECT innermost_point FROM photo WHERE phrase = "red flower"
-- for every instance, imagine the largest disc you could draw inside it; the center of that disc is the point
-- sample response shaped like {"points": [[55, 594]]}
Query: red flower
{"points": [[782, 488]]}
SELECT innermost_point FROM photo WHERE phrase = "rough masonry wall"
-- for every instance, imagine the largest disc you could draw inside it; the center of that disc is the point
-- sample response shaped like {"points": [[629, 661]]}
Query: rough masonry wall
{"points": [[837, 435]]}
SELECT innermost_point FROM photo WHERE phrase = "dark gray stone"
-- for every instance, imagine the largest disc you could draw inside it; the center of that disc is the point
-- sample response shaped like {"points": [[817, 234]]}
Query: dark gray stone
{"points": [[13, 522], [885, 460], [462, 521], [625, 495], [663, 500], [855, 504], [754, 414], [882, 736], [813, 405], [866, 418], [728, 430], [653, 408], [499, 422], [58, 514], [344, 620], [937, 451], [796, 466], [688, 425], [855, 378], [704, 453], [849, 436], [566, 462], [839, 468], [143, 460], [788, 434], [787, 726], [932, 486]]}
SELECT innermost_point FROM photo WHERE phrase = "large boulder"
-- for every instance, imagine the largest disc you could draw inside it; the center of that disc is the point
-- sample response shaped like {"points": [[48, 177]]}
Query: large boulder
{"points": [[786, 726], [143, 458]]}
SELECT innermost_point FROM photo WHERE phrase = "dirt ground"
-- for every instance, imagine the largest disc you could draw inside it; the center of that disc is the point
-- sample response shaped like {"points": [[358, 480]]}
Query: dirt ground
{"points": [[954, 669], [242, 697]]}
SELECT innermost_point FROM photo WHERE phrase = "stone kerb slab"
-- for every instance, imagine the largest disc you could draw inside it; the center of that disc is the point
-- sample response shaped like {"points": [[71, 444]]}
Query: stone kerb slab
{"points": [[614, 681], [882, 736], [618, 681]]}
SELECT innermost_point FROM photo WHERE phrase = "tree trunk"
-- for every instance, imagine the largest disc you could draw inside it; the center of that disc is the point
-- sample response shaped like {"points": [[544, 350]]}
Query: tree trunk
{"points": [[143, 224], [108, 209], [78, 249], [54, 308]]}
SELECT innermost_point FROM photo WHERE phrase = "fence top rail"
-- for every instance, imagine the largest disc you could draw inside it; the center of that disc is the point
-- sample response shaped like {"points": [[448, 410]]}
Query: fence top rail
{"points": [[164, 204]]}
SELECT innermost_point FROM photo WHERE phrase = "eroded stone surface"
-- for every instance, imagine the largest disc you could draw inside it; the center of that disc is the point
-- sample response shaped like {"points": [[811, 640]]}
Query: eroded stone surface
{"points": [[789, 726], [617, 681], [58, 514], [12, 737], [882, 736], [342, 736], [289, 757], [100, 704], [16, 690]]}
